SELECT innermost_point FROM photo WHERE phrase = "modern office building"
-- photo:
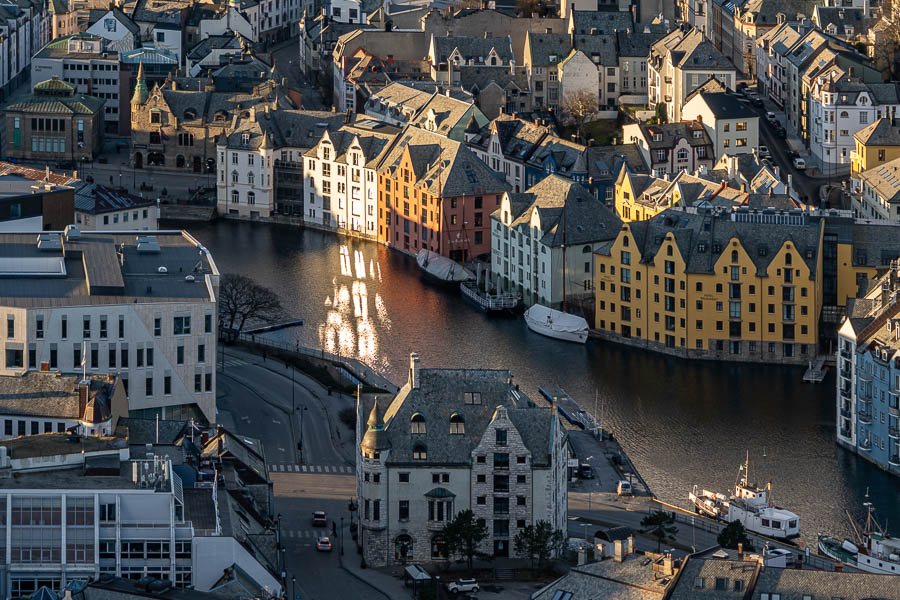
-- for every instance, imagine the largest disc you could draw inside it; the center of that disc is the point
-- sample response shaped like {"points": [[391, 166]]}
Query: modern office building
{"points": [[142, 306]]}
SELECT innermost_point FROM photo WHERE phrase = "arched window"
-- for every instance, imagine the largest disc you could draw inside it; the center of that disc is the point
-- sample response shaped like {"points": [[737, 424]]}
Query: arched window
{"points": [[251, 178], [234, 177], [787, 258], [417, 424], [235, 197], [493, 61], [251, 198], [420, 452], [734, 256], [457, 424], [844, 114], [682, 154]]}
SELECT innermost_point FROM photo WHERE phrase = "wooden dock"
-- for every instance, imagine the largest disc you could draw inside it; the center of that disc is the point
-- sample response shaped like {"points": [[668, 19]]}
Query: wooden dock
{"points": [[816, 371]]}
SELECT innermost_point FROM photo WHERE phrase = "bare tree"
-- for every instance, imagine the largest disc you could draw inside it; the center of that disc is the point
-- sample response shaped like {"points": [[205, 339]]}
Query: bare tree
{"points": [[241, 299], [577, 106]]}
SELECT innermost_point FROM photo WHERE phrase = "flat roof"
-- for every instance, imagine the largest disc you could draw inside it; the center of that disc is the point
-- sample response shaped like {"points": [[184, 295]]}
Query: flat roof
{"points": [[103, 268]]}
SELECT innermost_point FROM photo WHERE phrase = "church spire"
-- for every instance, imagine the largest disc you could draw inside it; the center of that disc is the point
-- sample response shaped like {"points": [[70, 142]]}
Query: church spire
{"points": [[140, 89]]}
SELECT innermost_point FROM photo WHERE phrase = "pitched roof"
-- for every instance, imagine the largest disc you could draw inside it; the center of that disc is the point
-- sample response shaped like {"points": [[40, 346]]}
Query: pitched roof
{"points": [[795, 583], [585, 22], [704, 567], [690, 50], [473, 48], [374, 139], [883, 132], [439, 395], [884, 179], [635, 578], [45, 394], [443, 166], [726, 106], [97, 199], [672, 132], [547, 48]]}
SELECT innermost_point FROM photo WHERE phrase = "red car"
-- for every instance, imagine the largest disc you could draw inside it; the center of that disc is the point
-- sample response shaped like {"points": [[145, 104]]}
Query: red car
{"points": [[319, 519]]}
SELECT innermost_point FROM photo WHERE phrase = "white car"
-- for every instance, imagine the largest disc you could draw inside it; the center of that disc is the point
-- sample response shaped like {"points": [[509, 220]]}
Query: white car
{"points": [[763, 152], [771, 117], [799, 163], [462, 585]]}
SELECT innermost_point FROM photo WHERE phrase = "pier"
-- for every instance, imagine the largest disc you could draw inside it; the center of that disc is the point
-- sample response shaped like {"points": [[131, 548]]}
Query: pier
{"points": [[816, 371]]}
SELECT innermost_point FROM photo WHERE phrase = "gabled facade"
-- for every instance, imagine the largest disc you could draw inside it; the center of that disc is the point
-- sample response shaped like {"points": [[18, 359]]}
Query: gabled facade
{"points": [[730, 124], [671, 147], [447, 53], [548, 237], [454, 440], [875, 145], [506, 145]]}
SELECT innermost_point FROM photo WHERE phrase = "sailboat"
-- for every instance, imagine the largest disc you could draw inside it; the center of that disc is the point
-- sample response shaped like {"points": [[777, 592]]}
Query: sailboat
{"points": [[558, 324], [441, 269]]}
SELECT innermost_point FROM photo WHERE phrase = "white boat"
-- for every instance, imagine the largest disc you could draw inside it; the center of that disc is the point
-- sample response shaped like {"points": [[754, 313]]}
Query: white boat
{"points": [[556, 324], [442, 269], [750, 505], [874, 552]]}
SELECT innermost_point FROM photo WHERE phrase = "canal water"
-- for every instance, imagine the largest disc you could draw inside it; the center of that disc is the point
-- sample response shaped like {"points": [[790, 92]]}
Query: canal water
{"points": [[681, 422]]}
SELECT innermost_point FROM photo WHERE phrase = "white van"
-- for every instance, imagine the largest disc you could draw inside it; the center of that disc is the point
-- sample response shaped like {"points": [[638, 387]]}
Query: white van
{"points": [[624, 488]]}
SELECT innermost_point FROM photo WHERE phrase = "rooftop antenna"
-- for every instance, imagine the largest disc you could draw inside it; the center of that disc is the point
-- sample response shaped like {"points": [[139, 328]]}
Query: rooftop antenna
{"points": [[83, 360]]}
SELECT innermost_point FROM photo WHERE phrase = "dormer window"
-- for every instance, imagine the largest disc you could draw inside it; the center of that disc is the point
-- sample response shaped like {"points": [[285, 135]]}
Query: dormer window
{"points": [[420, 452], [657, 137], [698, 134], [471, 397], [457, 424], [417, 424], [245, 139]]}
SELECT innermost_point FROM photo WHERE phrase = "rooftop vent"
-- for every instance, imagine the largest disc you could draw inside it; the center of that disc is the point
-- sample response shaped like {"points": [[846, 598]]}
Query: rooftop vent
{"points": [[147, 244], [72, 232], [48, 241]]}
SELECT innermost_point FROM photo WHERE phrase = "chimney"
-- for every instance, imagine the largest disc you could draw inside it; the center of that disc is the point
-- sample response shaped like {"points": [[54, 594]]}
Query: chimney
{"points": [[668, 565], [740, 551], [84, 394], [630, 544], [617, 551], [743, 188], [414, 380], [885, 294]]}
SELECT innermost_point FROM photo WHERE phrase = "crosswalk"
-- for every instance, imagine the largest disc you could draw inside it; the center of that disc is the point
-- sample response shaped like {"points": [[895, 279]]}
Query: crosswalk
{"points": [[234, 362], [306, 533], [335, 469]]}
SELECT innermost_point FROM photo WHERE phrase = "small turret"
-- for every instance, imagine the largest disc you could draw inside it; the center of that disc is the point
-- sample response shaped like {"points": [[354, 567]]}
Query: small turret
{"points": [[374, 440]]}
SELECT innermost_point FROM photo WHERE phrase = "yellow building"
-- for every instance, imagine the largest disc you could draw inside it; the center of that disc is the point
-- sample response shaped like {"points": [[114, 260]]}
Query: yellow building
{"points": [[713, 286], [639, 197], [876, 144]]}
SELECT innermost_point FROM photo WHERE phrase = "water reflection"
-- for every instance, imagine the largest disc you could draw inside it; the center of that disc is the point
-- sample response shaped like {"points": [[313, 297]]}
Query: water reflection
{"points": [[681, 422]]}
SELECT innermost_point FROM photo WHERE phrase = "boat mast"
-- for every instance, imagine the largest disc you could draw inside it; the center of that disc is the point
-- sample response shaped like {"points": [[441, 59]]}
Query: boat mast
{"points": [[564, 256], [859, 538]]}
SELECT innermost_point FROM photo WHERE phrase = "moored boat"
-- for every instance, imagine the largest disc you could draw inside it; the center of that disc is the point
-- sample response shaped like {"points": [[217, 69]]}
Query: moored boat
{"points": [[556, 324], [442, 270], [749, 504], [874, 551], [489, 303]]}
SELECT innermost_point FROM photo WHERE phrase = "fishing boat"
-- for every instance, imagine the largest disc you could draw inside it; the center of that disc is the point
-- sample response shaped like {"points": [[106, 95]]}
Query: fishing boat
{"points": [[556, 324], [749, 504], [442, 270], [874, 550], [478, 292]]}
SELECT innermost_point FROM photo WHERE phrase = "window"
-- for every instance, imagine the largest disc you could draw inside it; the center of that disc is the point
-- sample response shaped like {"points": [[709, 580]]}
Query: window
{"points": [[182, 325], [403, 510], [157, 328], [457, 424], [420, 452], [472, 397], [500, 437], [417, 424], [403, 477], [501, 460], [86, 329]]}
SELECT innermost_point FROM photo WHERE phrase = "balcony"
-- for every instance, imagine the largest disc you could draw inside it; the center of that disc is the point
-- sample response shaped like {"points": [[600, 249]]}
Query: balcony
{"points": [[845, 393], [435, 525], [845, 433], [845, 413], [865, 445], [865, 417], [893, 410], [894, 460], [845, 373], [894, 431]]}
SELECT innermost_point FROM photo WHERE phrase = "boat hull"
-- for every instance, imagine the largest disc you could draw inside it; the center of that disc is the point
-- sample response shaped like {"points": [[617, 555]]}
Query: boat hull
{"points": [[865, 563], [499, 304], [566, 336]]}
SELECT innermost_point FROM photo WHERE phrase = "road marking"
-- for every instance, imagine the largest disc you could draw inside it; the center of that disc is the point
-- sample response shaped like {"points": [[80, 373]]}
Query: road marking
{"points": [[296, 469], [318, 469], [276, 421], [305, 468], [281, 449]]}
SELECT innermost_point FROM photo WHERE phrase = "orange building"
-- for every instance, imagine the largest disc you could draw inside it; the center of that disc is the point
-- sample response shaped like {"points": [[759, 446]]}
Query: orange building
{"points": [[435, 193]]}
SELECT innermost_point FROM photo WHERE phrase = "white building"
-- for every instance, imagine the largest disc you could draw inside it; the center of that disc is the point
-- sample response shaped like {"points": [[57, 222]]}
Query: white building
{"points": [[681, 62], [879, 194], [839, 108], [140, 306], [116, 27], [76, 511], [98, 207], [527, 258], [342, 178], [730, 124], [260, 165], [452, 440]]}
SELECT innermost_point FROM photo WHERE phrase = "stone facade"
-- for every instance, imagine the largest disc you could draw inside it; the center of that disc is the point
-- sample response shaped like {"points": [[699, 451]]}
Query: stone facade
{"points": [[500, 457]]}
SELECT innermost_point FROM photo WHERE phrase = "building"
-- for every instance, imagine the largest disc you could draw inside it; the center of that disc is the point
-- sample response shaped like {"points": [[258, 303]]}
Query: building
{"points": [[447, 53], [454, 440], [543, 53], [116, 27], [92, 306], [839, 108], [44, 402], [98, 208], [771, 54], [681, 62], [435, 193], [716, 573], [342, 177], [633, 49], [671, 147], [748, 284], [86, 62], [54, 124], [505, 146], [24, 27], [756, 18], [34, 200], [879, 192], [630, 574], [796, 583], [730, 124], [366, 73], [875, 144], [399, 104], [640, 196], [548, 237], [260, 162], [497, 90], [63, 19]]}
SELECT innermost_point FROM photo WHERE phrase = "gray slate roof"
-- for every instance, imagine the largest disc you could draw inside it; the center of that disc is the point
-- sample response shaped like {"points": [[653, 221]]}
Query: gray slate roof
{"points": [[53, 395], [548, 48], [727, 106], [880, 133], [97, 199], [631, 579], [439, 395], [603, 21], [472, 48], [794, 584]]}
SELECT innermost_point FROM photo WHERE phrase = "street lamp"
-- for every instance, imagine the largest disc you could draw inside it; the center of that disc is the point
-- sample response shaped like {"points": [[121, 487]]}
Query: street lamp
{"points": [[283, 557], [300, 443], [293, 586], [342, 536]]}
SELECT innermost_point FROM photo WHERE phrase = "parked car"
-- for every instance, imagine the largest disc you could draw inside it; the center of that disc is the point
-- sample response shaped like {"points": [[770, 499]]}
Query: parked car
{"points": [[624, 488], [462, 585], [320, 519], [756, 101], [763, 152], [799, 163], [585, 471], [771, 117], [323, 544], [779, 131]]}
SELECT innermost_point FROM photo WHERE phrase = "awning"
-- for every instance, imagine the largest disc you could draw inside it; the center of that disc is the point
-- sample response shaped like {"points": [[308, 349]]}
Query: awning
{"points": [[417, 573], [440, 492]]}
